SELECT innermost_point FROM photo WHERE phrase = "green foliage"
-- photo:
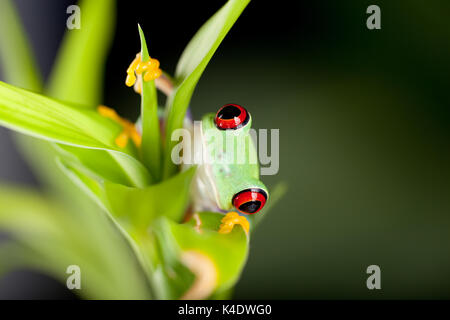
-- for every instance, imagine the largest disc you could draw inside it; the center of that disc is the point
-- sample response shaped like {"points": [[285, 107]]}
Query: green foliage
{"points": [[45, 118], [78, 72], [124, 223], [190, 67], [16, 57], [227, 252], [151, 140], [111, 166], [48, 238], [140, 206]]}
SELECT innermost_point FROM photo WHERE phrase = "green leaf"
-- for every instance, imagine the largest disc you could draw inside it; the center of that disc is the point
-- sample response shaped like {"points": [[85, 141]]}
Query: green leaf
{"points": [[134, 208], [138, 207], [190, 67], [37, 115], [49, 119], [171, 277], [16, 56], [228, 251], [89, 183], [151, 139], [48, 239], [77, 76], [111, 166], [199, 246]]}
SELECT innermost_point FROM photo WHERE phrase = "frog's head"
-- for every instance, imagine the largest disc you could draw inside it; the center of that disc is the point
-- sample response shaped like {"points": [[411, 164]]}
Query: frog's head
{"points": [[233, 174]]}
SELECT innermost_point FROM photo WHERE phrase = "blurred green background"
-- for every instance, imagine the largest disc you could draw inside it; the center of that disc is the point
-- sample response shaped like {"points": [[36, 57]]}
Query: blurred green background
{"points": [[364, 131]]}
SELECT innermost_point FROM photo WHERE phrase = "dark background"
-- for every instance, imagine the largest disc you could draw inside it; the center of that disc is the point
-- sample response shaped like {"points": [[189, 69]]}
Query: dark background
{"points": [[363, 118]]}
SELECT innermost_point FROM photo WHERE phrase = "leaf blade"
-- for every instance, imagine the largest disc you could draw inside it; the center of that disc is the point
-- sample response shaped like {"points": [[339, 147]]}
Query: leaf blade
{"points": [[37, 115], [226, 253], [77, 76], [151, 137], [51, 239], [191, 65], [139, 207], [18, 63]]}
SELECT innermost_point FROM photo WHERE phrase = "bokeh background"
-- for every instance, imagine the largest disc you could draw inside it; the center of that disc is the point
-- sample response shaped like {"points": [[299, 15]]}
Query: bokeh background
{"points": [[364, 135]]}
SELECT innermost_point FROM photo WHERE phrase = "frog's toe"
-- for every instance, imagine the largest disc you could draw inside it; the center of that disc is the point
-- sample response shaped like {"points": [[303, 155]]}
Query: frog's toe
{"points": [[138, 69], [129, 130], [230, 220]]}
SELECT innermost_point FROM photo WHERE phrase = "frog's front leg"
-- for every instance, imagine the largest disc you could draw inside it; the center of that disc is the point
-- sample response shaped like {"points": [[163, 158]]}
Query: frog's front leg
{"points": [[149, 70], [129, 130], [139, 71], [230, 220]]}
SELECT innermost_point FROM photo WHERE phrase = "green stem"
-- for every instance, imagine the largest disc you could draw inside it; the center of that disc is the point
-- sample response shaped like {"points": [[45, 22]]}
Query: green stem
{"points": [[16, 56], [151, 136]]}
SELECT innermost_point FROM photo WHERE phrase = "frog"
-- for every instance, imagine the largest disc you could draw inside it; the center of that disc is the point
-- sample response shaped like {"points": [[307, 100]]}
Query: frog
{"points": [[227, 174]]}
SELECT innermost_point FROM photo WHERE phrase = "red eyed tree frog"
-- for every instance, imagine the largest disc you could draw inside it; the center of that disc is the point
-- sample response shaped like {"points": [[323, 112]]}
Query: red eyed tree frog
{"points": [[227, 175]]}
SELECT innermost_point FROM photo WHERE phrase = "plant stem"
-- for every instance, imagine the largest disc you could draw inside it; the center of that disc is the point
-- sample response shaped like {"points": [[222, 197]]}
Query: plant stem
{"points": [[151, 136]]}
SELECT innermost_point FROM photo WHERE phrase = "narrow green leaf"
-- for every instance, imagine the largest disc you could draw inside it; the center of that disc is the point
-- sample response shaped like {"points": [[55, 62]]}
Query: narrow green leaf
{"points": [[170, 275], [191, 66], [77, 76], [49, 119], [134, 208], [84, 179], [39, 116], [138, 207], [89, 183], [108, 165], [16, 55], [48, 239], [151, 139], [133, 211], [226, 252]]}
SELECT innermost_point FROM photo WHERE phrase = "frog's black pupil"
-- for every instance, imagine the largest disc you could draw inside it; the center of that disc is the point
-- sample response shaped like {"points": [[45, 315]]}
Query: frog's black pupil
{"points": [[229, 112], [251, 206]]}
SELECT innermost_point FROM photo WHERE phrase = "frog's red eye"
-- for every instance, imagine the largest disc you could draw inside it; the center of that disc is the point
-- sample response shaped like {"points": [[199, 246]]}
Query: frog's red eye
{"points": [[231, 116], [250, 201]]}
